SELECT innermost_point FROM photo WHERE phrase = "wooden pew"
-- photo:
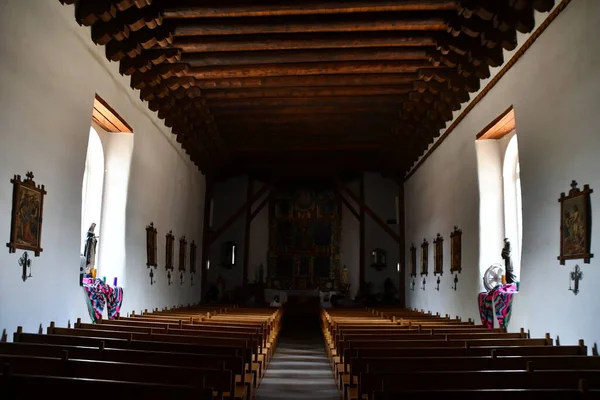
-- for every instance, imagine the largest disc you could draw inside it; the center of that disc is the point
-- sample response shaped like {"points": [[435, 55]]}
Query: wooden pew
{"points": [[18, 386], [210, 361], [220, 380]]}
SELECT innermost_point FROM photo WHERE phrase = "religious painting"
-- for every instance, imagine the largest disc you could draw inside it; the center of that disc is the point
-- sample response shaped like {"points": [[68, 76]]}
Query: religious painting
{"points": [[438, 255], [182, 253], [424, 257], [170, 239], [27, 212], [455, 250], [575, 224], [413, 260], [151, 246], [193, 250]]}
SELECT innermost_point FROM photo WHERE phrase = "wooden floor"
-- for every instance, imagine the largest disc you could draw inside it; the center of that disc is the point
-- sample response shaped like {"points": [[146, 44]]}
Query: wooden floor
{"points": [[300, 368]]}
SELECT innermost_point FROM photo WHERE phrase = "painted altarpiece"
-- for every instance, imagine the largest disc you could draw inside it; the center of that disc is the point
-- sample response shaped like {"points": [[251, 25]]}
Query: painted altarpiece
{"points": [[304, 238]]}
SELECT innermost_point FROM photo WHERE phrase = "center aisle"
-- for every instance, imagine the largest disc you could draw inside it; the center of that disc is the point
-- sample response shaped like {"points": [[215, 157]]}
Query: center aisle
{"points": [[299, 369]]}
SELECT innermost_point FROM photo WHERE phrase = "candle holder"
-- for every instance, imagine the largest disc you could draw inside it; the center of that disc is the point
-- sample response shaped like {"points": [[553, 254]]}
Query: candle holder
{"points": [[575, 276], [455, 283], [25, 262]]}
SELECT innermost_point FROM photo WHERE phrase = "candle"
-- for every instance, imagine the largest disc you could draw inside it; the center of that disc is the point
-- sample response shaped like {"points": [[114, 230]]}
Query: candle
{"points": [[115, 282]]}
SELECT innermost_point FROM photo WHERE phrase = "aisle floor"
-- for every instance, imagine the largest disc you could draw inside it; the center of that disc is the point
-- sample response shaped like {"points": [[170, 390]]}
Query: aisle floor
{"points": [[299, 370]]}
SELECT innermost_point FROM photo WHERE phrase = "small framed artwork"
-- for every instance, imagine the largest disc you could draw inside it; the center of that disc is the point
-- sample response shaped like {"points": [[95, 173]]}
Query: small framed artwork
{"points": [[27, 215], [424, 257], [151, 246], [193, 257], [170, 240], [455, 250], [575, 224], [413, 260], [182, 253], [438, 255]]}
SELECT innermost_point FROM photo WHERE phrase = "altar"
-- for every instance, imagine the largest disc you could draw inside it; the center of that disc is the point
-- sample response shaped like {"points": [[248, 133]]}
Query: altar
{"points": [[299, 296]]}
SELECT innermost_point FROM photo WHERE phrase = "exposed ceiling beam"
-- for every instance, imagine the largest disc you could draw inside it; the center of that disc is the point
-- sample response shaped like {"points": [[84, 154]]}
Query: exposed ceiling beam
{"points": [[307, 92], [346, 67], [372, 101], [241, 9], [301, 56], [338, 23], [309, 80], [373, 110], [303, 41]]}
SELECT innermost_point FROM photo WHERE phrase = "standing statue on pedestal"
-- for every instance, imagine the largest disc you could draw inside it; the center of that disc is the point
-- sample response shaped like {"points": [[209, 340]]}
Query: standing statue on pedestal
{"points": [[510, 275]]}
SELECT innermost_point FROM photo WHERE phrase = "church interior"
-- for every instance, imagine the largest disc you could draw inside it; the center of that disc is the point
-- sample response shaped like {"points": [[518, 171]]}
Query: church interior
{"points": [[336, 199]]}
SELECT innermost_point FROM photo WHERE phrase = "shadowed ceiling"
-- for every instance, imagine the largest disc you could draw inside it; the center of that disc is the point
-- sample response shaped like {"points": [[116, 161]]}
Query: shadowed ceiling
{"points": [[343, 86]]}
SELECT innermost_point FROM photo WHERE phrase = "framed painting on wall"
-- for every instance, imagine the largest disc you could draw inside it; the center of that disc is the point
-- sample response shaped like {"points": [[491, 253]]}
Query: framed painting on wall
{"points": [[425, 257], [413, 260], [575, 224], [170, 240], [455, 250], [27, 215], [438, 255], [193, 257], [182, 253], [151, 246]]}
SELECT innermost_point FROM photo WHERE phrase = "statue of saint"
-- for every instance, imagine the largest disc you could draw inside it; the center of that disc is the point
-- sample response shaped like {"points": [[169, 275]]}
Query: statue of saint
{"points": [[510, 275]]}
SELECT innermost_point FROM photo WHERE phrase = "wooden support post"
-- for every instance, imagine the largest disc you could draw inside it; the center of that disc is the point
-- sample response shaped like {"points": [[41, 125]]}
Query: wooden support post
{"points": [[249, 193], [239, 212], [361, 202], [208, 194], [401, 246], [365, 209], [260, 207]]}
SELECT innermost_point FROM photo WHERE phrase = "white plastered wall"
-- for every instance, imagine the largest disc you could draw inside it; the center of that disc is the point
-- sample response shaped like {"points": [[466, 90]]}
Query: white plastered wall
{"points": [[555, 91], [49, 73]]}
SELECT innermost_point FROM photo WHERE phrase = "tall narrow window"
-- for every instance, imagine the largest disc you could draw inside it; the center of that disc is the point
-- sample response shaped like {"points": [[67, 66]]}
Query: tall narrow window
{"points": [[499, 191], [513, 215]]}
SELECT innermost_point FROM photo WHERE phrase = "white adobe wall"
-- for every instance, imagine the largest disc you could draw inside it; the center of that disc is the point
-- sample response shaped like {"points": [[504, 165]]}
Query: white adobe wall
{"points": [[555, 90], [49, 73]]}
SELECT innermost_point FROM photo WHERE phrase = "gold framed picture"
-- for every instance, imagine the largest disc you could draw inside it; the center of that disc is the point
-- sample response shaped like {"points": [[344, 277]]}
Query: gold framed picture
{"points": [[27, 215], [575, 224]]}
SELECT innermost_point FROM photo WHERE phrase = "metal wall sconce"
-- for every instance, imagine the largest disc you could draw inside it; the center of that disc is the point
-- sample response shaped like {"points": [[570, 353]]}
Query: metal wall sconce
{"points": [[455, 282], [438, 284], [25, 262], [423, 284], [574, 277], [412, 285], [169, 277], [152, 280]]}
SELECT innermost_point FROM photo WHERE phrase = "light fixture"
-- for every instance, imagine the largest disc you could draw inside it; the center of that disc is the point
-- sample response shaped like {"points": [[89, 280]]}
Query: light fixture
{"points": [[207, 265], [398, 267]]}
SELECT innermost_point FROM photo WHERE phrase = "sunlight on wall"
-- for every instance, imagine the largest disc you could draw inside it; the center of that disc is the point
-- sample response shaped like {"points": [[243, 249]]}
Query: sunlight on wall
{"points": [[491, 222], [93, 184], [119, 149]]}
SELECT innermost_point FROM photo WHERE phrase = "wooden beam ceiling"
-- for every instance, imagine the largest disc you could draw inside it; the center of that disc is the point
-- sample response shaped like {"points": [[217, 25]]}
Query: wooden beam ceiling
{"points": [[251, 85]]}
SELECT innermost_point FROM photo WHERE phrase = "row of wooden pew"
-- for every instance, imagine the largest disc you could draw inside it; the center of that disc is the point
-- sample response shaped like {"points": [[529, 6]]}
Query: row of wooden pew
{"points": [[385, 354], [194, 352]]}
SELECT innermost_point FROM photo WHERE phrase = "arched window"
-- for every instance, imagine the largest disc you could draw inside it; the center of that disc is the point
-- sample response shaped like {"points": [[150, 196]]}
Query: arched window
{"points": [[513, 212], [92, 187]]}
